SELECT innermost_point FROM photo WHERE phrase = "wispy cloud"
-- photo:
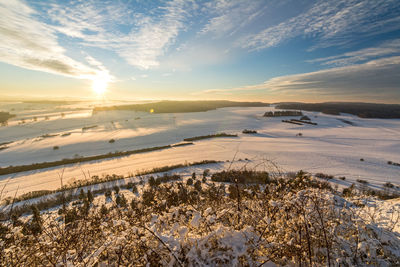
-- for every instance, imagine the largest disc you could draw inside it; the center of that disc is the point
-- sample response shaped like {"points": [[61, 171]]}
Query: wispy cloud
{"points": [[143, 48], [377, 79], [30, 34], [227, 17], [331, 23], [385, 49], [99, 25], [29, 43], [80, 38], [216, 24]]}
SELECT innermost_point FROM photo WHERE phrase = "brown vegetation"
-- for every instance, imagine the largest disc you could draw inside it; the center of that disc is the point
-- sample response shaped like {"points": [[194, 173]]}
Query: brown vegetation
{"points": [[290, 221]]}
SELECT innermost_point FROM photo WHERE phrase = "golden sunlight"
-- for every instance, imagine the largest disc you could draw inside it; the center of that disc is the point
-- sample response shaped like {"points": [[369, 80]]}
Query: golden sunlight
{"points": [[100, 83], [99, 86]]}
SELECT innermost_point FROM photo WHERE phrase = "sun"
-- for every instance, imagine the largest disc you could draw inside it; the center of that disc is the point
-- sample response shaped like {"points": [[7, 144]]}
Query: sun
{"points": [[99, 84]]}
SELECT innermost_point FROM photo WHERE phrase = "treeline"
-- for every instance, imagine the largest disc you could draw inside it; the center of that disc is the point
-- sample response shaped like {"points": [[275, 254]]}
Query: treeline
{"points": [[99, 180], [177, 166], [209, 136], [247, 131], [282, 113], [362, 110], [181, 106], [304, 122], [5, 116], [52, 102], [42, 165]]}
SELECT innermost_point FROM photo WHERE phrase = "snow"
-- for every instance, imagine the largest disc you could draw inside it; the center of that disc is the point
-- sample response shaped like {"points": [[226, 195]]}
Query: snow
{"points": [[209, 233], [331, 147]]}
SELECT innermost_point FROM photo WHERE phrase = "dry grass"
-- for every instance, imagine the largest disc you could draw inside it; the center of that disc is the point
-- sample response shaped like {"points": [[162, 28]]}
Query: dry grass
{"points": [[289, 221]]}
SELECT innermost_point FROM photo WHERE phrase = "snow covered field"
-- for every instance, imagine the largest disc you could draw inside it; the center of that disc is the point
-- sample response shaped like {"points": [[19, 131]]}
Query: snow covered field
{"points": [[333, 146]]}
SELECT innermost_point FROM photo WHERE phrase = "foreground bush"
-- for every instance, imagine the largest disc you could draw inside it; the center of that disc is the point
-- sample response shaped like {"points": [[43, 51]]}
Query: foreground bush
{"points": [[286, 221]]}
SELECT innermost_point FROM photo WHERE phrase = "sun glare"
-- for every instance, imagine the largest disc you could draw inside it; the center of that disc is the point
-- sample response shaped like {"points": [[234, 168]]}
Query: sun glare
{"points": [[99, 84]]}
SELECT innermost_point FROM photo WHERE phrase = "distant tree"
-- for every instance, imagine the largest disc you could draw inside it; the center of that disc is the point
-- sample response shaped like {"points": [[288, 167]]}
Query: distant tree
{"points": [[388, 185], [152, 181], [82, 195], [36, 224], [132, 186], [147, 198], [116, 189], [197, 185], [107, 194], [133, 204], [233, 192], [305, 118], [283, 113], [90, 196], [121, 200], [103, 210], [246, 131]]}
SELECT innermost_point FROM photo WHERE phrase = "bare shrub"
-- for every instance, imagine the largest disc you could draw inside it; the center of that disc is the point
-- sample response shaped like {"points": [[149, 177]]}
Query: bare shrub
{"points": [[289, 221]]}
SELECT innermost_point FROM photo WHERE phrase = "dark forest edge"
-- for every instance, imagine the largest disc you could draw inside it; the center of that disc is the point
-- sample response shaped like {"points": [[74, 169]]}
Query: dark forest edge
{"points": [[181, 106], [362, 110]]}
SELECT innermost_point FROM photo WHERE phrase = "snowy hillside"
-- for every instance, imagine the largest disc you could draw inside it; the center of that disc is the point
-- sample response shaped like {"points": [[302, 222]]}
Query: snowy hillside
{"points": [[342, 145], [225, 200]]}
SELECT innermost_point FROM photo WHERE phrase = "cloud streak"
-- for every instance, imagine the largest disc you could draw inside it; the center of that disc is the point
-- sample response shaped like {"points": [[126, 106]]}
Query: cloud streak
{"points": [[377, 79], [97, 25], [29, 43], [227, 17], [207, 37], [385, 49], [333, 23]]}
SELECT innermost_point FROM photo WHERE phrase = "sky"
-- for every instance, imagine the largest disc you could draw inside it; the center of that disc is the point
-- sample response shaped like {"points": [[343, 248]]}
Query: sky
{"points": [[266, 50]]}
